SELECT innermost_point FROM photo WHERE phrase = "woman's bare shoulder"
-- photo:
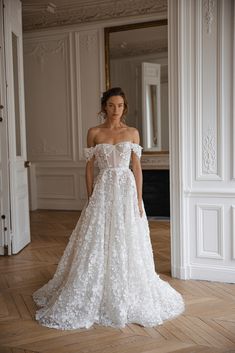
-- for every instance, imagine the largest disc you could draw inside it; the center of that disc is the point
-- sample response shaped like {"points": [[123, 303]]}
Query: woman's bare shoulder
{"points": [[133, 131], [92, 133], [95, 129]]}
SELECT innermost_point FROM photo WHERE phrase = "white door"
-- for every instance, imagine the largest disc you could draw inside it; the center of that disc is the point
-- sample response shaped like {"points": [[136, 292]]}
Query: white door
{"points": [[4, 172], [19, 205]]}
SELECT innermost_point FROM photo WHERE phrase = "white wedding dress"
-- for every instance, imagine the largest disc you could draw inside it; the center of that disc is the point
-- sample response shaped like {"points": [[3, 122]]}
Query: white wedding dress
{"points": [[107, 274]]}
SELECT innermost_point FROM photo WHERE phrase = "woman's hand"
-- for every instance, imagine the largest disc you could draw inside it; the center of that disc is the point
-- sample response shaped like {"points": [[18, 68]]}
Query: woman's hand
{"points": [[140, 205]]}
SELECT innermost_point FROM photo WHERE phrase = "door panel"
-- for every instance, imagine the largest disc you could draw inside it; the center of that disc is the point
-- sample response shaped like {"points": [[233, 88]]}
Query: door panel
{"points": [[4, 172], [16, 118]]}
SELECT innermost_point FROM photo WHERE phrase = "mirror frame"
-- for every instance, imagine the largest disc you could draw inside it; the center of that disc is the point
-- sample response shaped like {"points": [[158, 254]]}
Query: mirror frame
{"points": [[126, 27]]}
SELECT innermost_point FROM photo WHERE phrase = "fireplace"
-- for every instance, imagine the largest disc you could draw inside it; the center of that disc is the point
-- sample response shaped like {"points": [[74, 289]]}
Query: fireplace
{"points": [[156, 192]]}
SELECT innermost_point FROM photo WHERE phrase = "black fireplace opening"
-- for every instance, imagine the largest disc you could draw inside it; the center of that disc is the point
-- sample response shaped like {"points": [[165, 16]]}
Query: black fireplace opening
{"points": [[156, 193]]}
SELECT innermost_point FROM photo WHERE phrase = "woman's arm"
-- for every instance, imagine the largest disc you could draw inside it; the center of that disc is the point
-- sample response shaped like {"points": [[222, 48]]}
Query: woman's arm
{"points": [[90, 164], [137, 171]]}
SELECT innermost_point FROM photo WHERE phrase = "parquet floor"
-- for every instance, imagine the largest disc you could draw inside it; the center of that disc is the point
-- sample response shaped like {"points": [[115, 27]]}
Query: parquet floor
{"points": [[208, 324]]}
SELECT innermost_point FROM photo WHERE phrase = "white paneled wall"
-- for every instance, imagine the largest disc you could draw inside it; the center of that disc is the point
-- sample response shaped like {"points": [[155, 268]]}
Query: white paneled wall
{"points": [[205, 139], [62, 80]]}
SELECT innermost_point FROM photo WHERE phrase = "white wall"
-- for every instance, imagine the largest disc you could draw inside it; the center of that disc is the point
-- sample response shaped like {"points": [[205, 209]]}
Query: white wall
{"points": [[64, 80], [202, 126], [203, 154], [63, 86]]}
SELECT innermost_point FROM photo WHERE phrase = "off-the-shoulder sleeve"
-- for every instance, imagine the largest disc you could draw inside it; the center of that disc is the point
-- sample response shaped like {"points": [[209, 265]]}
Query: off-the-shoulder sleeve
{"points": [[89, 152], [137, 149]]}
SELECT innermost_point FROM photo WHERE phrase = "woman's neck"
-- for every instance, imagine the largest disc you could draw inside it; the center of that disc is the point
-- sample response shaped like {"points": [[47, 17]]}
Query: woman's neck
{"points": [[113, 124]]}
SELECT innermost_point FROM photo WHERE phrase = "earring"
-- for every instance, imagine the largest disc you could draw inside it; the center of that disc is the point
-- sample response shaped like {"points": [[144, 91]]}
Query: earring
{"points": [[123, 119], [102, 116]]}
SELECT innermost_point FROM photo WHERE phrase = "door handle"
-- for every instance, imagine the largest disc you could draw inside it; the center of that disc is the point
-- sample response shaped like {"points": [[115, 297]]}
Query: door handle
{"points": [[27, 164]]}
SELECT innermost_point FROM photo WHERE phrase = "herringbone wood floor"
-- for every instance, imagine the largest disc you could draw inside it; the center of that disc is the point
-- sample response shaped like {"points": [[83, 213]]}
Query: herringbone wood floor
{"points": [[208, 324]]}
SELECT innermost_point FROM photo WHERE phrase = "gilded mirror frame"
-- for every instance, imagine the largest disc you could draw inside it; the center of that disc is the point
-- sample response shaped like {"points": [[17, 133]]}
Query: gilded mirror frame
{"points": [[126, 27]]}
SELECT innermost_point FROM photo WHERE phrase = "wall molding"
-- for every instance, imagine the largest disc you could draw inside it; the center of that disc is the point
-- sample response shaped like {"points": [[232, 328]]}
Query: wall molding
{"points": [[65, 178], [220, 193], [37, 51], [214, 273], [233, 104], [209, 124], [83, 12], [200, 179], [209, 14], [233, 231], [200, 234]]}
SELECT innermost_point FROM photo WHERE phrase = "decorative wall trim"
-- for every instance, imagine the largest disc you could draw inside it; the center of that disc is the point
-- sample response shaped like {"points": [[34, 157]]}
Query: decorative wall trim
{"points": [[80, 142], [44, 148], [40, 49], [89, 41], [199, 101], [233, 101], [215, 193], [87, 48], [65, 179], [209, 8], [202, 252], [209, 124], [209, 152], [177, 29], [40, 147], [214, 273], [82, 12], [233, 231]]}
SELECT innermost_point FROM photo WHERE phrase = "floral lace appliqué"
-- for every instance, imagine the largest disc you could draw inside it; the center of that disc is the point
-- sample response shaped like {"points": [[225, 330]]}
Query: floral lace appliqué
{"points": [[106, 274]]}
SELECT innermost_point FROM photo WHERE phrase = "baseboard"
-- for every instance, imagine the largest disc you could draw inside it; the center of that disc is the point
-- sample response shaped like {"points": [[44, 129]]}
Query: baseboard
{"points": [[59, 205], [180, 272], [212, 273]]}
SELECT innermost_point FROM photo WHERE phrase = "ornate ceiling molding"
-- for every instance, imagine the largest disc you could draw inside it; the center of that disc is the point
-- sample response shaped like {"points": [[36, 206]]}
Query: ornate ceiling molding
{"points": [[75, 13]]}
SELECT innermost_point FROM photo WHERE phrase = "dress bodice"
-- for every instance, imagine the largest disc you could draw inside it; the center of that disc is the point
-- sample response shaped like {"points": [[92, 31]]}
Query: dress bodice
{"points": [[113, 156]]}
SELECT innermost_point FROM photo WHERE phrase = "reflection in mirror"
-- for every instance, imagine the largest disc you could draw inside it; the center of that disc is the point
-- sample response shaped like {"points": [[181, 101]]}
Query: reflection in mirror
{"points": [[153, 113], [151, 97], [127, 48], [151, 107]]}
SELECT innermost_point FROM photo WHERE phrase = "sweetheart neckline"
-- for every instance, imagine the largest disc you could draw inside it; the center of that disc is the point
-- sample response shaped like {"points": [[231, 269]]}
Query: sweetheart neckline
{"points": [[114, 144]]}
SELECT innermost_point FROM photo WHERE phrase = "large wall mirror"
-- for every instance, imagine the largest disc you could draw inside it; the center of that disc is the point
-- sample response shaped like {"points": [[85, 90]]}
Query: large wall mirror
{"points": [[137, 60]]}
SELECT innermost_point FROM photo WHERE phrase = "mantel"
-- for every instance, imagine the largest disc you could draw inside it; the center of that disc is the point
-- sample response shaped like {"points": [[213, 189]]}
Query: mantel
{"points": [[155, 161]]}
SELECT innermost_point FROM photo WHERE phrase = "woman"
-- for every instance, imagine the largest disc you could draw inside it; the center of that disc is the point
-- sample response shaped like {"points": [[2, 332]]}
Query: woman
{"points": [[106, 274]]}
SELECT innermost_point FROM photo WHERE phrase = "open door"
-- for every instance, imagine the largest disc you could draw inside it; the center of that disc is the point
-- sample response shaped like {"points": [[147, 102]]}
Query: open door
{"points": [[4, 171], [19, 235]]}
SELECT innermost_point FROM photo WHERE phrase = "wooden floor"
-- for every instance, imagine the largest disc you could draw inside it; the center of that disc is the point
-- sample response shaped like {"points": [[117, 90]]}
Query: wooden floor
{"points": [[208, 324]]}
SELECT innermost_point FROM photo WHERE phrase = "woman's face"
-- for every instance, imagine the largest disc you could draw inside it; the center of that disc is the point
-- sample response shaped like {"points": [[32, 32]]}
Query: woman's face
{"points": [[114, 107]]}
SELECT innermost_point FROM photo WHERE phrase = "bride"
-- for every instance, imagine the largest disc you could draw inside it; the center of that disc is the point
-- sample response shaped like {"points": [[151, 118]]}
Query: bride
{"points": [[107, 274]]}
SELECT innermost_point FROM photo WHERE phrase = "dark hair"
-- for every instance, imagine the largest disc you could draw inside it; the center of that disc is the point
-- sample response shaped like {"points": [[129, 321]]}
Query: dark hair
{"points": [[115, 91]]}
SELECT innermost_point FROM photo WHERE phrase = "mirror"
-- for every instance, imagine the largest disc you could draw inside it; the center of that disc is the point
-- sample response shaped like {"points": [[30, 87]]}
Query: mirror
{"points": [[136, 59]]}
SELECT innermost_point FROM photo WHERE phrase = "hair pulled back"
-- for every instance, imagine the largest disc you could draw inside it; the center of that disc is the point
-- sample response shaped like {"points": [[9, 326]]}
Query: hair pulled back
{"points": [[115, 91]]}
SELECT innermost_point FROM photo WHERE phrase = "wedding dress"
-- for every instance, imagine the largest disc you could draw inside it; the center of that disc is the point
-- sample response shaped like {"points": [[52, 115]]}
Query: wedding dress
{"points": [[106, 274]]}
